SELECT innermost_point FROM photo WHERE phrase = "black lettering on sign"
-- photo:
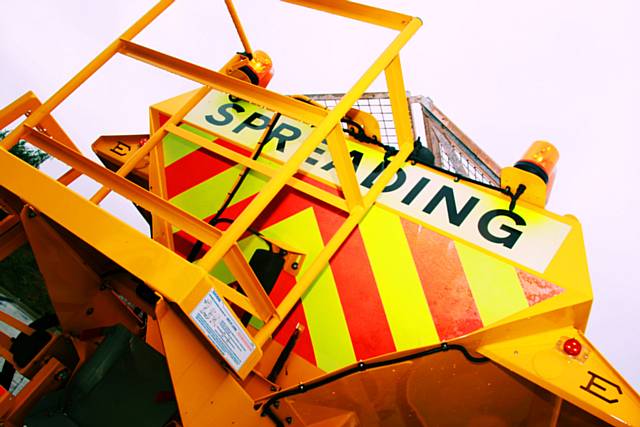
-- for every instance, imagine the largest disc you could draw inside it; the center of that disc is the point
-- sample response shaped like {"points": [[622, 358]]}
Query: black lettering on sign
{"points": [[249, 122], [318, 150], [396, 183], [512, 235], [121, 149], [596, 382], [227, 117], [455, 217], [284, 133], [356, 158], [415, 190]]}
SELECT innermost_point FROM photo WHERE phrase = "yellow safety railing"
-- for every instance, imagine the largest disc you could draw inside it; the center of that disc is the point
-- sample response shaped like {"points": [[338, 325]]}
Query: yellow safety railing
{"points": [[327, 125]]}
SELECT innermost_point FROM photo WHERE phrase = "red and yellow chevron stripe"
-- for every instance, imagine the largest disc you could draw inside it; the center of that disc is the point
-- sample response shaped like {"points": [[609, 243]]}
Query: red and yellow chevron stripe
{"points": [[393, 285]]}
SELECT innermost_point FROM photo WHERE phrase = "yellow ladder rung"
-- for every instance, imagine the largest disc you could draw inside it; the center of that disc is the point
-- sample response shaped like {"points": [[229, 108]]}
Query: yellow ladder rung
{"points": [[298, 184]]}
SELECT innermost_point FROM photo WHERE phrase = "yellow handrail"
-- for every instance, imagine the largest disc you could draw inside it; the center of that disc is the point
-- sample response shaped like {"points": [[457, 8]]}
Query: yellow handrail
{"points": [[327, 126]]}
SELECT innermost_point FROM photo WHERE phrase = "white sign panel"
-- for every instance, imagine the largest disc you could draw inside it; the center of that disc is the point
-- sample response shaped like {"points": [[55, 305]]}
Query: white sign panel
{"points": [[525, 236]]}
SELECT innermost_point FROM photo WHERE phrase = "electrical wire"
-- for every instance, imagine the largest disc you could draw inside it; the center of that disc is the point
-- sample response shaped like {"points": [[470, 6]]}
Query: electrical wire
{"points": [[197, 247], [357, 131], [363, 366]]}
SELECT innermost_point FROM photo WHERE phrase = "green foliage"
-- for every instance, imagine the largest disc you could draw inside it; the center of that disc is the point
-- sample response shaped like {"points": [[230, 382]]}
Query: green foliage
{"points": [[20, 278], [31, 155]]}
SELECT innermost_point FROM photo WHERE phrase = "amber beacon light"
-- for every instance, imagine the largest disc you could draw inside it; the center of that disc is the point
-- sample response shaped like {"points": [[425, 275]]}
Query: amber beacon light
{"points": [[540, 159], [535, 172], [255, 68]]}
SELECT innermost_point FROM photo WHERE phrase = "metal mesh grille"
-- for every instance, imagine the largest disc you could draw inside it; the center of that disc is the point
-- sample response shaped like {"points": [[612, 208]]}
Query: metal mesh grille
{"points": [[450, 151], [376, 104]]}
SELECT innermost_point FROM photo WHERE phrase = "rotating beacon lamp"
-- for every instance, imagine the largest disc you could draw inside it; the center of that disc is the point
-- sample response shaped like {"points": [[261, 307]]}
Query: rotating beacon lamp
{"points": [[533, 175]]}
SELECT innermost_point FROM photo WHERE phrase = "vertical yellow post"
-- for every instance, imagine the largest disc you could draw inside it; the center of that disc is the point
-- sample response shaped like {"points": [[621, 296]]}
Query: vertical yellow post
{"points": [[238, 25], [344, 167]]}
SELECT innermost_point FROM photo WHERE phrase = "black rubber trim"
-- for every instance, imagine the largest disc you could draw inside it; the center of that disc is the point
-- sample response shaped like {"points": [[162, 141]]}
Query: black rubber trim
{"points": [[534, 169], [249, 72]]}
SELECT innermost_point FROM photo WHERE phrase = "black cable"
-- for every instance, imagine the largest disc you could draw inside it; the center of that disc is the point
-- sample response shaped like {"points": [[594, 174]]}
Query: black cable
{"points": [[284, 356], [249, 229], [197, 247], [268, 412], [357, 132], [363, 366]]}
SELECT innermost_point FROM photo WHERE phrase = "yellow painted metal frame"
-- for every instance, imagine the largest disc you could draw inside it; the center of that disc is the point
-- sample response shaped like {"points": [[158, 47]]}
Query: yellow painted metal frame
{"points": [[181, 284], [186, 293]]}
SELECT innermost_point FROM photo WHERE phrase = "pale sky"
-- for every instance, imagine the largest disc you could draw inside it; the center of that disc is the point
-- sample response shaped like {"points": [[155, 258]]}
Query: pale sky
{"points": [[505, 72]]}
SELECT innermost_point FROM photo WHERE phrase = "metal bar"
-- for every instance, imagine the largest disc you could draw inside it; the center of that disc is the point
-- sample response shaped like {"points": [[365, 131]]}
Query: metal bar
{"points": [[233, 296], [261, 168], [236, 22], [400, 112], [470, 148], [136, 194], [17, 108], [23, 106], [84, 74], [5, 341], [285, 105], [360, 12], [160, 228], [435, 144], [6, 354], [405, 140], [308, 277], [69, 176], [399, 105], [344, 167], [157, 136], [200, 230], [289, 168], [244, 274], [237, 263], [43, 382], [15, 323], [160, 268]]}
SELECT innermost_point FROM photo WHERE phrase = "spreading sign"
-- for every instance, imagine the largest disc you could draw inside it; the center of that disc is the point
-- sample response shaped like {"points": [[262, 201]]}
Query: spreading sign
{"points": [[524, 236]]}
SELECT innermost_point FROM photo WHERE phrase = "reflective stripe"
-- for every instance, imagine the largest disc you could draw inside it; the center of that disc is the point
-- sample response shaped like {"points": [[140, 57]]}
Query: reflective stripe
{"points": [[192, 170], [536, 289], [398, 281], [393, 285], [444, 282], [204, 199], [494, 284], [326, 320], [359, 296], [174, 148]]}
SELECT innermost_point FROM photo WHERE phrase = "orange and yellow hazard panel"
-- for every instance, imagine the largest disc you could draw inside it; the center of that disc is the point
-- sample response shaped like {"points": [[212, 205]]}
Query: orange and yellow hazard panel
{"points": [[393, 285]]}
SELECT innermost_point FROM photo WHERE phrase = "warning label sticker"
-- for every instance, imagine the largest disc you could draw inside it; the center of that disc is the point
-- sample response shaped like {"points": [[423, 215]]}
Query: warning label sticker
{"points": [[219, 325]]}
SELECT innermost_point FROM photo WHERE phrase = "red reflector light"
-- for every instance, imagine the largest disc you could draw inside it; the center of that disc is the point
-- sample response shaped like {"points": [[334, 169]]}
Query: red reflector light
{"points": [[572, 347]]}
